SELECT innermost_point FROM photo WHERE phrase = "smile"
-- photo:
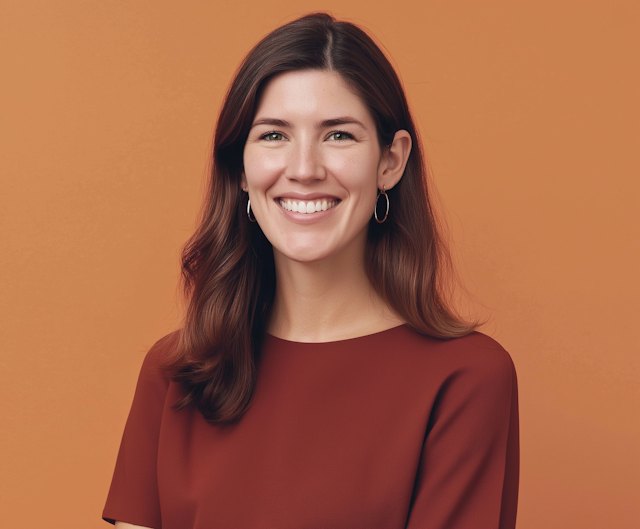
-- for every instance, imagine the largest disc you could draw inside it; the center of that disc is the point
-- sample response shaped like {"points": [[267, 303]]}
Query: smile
{"points": [[312, 206]]}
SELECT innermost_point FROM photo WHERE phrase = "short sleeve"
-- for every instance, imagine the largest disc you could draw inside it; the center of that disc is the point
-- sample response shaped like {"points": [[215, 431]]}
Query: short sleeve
{"points": [[469, 467], [133, 495]]}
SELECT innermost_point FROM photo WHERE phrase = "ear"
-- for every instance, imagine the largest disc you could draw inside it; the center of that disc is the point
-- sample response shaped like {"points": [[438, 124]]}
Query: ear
{"points": [[243, 181], [394, 160]]}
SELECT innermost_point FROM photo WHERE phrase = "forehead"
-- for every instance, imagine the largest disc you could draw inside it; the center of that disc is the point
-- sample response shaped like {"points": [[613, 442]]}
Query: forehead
{"points": [[310, 93]]}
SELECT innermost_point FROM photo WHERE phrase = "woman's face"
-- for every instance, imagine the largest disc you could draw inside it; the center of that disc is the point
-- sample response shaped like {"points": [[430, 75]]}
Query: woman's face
{"points": [[311, 165]]}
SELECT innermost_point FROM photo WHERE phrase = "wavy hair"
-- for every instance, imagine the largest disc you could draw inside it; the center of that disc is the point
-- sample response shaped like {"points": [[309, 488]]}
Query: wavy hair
{"points": [[228, 272]]}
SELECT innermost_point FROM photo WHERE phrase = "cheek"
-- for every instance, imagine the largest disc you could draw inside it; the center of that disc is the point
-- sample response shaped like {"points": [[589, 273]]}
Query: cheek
{"points": [[262, 167], [356, 171]]}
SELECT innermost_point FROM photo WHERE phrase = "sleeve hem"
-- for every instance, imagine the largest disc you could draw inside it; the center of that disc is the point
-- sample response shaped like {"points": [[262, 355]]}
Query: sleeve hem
{"points": [[126, 519]]}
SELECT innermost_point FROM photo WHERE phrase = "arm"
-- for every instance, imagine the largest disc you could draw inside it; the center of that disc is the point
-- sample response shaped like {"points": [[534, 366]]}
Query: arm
{"points": [[469, 467], [133, 495], [124, 525]]}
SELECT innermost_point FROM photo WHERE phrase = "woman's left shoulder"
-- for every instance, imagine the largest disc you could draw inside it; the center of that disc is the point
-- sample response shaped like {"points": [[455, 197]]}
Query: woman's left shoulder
{"points": [[479, 358], [474, 354], [477, 346]]}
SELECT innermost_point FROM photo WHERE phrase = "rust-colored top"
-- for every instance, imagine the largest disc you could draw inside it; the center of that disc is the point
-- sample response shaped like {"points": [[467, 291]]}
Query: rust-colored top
{"points": [[390, 430]]}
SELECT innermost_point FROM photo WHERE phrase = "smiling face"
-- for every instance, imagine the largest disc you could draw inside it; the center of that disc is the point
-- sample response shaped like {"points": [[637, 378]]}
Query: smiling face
{"points": [[312, 165]]}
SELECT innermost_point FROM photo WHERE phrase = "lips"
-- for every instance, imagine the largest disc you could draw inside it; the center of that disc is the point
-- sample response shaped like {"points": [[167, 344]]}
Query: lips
{"points": [[307, 206]]}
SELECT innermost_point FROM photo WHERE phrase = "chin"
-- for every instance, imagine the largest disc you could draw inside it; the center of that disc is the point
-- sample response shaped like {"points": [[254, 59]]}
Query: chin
{"points": [[304, 253], [315, 247]]}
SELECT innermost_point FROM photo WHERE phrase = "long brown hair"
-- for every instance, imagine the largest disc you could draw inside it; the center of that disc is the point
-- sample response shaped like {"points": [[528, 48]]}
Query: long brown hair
{"points": [[227, 265]]}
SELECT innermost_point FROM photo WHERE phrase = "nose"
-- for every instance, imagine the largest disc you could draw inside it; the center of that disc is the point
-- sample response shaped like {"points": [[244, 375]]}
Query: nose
{"points": [[305, 162]]}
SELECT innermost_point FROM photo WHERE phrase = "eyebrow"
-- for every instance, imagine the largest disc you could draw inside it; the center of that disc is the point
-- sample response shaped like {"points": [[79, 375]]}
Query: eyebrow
{"points": [[344, 120], [271, 121], [341, 121]]}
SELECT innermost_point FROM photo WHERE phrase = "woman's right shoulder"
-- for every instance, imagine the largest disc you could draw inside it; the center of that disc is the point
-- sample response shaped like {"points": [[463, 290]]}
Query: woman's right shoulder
{"points": [[153, 369], [160, 351]]}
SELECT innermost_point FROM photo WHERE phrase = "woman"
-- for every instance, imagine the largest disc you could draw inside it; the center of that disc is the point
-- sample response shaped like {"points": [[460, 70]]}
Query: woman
{"points": [[320, 378]]}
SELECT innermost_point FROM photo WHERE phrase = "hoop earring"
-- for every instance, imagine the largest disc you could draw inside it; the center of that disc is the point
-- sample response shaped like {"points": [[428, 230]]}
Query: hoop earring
{"points": [[249, 211], [375, 209]]}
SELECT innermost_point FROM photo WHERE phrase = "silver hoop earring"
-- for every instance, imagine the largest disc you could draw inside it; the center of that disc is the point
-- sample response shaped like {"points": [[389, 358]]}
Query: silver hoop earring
{"points": [[249, 211], [375, 209]]}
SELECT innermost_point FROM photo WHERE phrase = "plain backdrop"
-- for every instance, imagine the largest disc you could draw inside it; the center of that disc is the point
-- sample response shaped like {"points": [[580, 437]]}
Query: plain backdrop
{"points": [[530, 118]]}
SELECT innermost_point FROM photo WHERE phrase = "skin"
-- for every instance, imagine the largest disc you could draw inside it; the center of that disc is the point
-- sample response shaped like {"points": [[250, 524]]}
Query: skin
{"points": [[322, 292]]}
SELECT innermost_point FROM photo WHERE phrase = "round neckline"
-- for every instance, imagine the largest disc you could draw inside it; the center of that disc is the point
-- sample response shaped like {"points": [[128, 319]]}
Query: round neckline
{"points": [[364, 336]]}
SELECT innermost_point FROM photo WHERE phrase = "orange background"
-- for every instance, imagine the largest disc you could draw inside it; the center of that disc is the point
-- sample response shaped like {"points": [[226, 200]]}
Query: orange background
{"points": [[530, 117]]}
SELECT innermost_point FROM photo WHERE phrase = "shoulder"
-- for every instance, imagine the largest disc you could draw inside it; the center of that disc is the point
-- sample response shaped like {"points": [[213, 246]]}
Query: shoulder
{"points": [[480, 367], [153, 374], [477, 350], [161, 350], [474, 360], [471, 379]]}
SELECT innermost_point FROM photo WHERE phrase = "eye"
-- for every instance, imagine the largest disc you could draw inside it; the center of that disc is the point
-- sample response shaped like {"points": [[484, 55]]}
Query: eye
{"points": [[340, 136], [272, 136]]}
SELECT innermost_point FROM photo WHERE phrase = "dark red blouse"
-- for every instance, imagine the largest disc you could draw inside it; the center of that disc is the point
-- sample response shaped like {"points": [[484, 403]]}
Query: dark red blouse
{"points": [[390, 430]]}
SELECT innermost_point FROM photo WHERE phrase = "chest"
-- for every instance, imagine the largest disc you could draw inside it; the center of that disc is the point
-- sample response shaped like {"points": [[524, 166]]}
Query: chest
{"points": [[317, 448]]}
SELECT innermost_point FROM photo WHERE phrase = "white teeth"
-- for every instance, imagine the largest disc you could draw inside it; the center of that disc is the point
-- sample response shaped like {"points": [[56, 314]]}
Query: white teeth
{"points": [[306, 207]]}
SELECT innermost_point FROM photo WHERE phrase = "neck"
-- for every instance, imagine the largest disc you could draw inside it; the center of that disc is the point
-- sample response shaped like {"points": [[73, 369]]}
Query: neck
{"points": [[327, 300]]}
